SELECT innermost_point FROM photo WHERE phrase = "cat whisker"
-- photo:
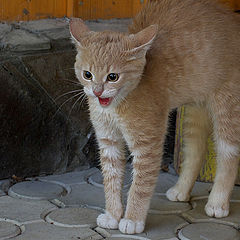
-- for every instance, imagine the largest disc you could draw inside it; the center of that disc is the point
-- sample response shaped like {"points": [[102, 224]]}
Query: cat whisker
{"points": [[81, 96], [67, 93], [83, 100], [60, 107]]}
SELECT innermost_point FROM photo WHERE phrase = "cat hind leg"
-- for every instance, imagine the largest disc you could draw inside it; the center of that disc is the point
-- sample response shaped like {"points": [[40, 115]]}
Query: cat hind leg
{"points": [[226, 111], [196, 130]]}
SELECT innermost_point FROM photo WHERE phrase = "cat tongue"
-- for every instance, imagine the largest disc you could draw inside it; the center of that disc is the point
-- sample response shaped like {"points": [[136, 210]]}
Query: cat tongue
{"points": [[105, 101]]}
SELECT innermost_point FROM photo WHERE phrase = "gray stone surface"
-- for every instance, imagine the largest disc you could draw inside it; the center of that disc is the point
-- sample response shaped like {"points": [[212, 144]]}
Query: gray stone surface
{"points": [[4, 29], [44, 25], [60, 83], [161, 205], [200, 231], [36, 190], [46, 231], [20, 40], [73, 217], [42, 141], [201, 189], [58, 34], [71, 178], [197, 214], [163, 227], [23, 211], [48, 139], [84, 195], [8, 230]]}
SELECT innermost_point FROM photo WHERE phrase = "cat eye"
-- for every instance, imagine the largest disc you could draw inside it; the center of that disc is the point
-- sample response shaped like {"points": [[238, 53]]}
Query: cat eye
{"points": [[112, 77], [87, 75]]}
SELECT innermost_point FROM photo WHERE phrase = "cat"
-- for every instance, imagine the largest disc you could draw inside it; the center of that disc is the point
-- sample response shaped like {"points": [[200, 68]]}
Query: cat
{"points": [[175, 53]]}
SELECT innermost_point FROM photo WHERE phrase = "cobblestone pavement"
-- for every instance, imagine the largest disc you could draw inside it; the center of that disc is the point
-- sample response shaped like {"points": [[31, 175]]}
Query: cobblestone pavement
{"points": [[64, 207]]}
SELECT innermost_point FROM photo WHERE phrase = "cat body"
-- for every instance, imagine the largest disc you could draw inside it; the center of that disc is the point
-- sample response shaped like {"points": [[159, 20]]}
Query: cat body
{"points": [[176, 52]]}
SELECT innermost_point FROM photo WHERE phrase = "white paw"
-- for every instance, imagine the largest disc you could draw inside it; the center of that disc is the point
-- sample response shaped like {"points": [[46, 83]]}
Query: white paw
{"points": [[106, 220], [130, 227], [173, 194], [217, 210]]}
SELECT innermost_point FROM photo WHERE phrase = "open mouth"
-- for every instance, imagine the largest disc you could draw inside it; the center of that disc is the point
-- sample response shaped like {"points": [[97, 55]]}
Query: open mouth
{"points": [[105, 101]]}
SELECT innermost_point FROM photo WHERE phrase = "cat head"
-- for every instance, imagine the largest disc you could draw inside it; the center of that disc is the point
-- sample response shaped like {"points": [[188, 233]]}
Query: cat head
{"points": [[108, 64]]}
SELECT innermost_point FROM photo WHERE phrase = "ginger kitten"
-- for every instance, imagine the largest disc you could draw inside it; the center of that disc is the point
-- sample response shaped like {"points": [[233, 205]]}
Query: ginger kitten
{"points": [[176, 52]]}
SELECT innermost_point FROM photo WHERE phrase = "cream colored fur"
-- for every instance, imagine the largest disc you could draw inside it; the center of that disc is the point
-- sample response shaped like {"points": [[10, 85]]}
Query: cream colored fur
{"points": [[176, 52]]}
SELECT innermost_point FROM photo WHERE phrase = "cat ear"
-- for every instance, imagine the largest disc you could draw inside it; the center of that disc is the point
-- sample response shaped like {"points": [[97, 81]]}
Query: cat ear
{"points": [[77, 29], [143, 39]]}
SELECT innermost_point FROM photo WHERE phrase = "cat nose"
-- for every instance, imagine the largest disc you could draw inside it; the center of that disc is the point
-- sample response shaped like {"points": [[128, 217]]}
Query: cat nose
{"points": [[98, 93]]}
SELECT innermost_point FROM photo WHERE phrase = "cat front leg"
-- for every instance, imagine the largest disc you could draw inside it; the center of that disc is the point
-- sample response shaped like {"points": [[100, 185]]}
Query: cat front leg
{"points": [[146, 169], [112, 157], [145, 143]]}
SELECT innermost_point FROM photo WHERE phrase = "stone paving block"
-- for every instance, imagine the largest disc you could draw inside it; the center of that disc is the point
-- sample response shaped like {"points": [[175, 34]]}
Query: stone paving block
{"points": [[84, 195], [8, 230], [72, 177], [46, 231], [23, 211], [73, 217], [36, 190], [197, 214], [20, 40], [163, 227], [205, 231], [161, 205]]}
